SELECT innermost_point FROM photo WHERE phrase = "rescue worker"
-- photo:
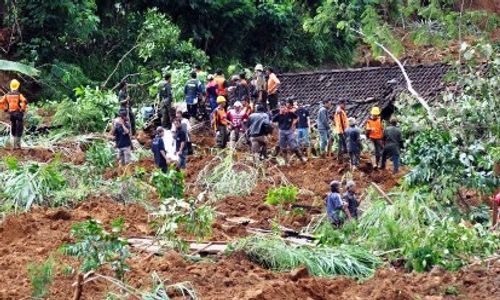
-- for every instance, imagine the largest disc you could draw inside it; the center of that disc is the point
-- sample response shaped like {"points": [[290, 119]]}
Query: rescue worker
{"points": [[259, 127], [121, 131], [221, 123], [166, 99], [192, 91], [375, 132], [341, 124], [334, 205], [16, 105], [323, 124], [303, 128], [159, 151], [242, 90], [126, 103], [287, 120], [260, 86], [237, 117], [211, 92], [393, 142], [221, 82], [354, 144], [273, 84], [181, 143], [351, 199]]}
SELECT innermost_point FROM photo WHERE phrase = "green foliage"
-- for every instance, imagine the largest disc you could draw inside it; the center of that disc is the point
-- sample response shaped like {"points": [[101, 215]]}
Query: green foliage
{"points": [[97, 247], [177, 215], [225, 177], [40, 276], [90, 112], [274, 253], [460, 149], [170, 184], [159, 37], [282, 195], [418, 228], [28, 185], [100, 155], [12, 66]]}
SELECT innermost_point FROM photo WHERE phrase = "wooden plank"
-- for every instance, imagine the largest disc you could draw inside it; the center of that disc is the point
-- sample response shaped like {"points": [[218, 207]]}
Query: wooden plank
{"points": [[381, 192]]}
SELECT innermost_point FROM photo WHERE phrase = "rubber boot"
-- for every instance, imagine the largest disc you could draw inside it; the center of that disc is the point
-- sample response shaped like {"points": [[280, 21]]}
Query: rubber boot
{"points": [[18, 143]]}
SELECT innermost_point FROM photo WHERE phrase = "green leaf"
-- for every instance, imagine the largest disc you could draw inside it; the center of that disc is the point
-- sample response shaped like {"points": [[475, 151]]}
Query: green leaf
{"points": [[7, 65]]}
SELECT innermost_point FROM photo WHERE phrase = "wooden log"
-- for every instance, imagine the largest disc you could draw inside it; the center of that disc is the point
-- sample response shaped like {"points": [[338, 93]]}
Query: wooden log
{"points": [[381, 192], [78, 287]]}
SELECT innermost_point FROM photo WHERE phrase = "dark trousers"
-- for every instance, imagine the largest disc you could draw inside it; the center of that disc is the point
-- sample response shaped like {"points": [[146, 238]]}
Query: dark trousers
{"points": [[222, 136], [377, 144], [16, 122], [192, 110], [273, 101], [394, 155], [342, 145], [354, 156]]}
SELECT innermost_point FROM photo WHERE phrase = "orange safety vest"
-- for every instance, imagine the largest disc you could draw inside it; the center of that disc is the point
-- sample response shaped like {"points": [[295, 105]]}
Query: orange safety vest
{"points": [[341, 122], [13, 101], [375, 129], [221, 89]]}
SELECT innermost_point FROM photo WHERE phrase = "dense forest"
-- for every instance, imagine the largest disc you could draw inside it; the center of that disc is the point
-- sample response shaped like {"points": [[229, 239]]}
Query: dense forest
{"points": [[80, 42]]}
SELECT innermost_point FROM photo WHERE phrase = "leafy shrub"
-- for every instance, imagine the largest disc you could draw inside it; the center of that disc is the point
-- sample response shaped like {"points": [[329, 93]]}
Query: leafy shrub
{"points": [[225, 177], [98, 247], [175, 215], [32, 184], [40, 276], [170, 184], [90, 112], [282, 195], [101, 155]]}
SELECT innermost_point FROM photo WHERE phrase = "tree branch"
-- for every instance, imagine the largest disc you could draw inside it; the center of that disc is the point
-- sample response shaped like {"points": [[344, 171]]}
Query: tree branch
{"points": [[409, 85], [119, 63]]}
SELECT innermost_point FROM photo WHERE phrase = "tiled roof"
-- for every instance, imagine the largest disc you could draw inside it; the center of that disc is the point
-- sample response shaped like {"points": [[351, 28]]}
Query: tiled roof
{"points": [[362, 88]]}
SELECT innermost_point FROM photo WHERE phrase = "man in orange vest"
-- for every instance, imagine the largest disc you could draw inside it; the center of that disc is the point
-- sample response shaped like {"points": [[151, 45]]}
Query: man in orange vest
{"points": [[375, 132], [221, 123], [341, 125], [16, 105]]}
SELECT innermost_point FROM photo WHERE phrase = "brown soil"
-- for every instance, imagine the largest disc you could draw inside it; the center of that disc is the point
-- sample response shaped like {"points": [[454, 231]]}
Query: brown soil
{"points": [[43, 155], [32, 237]]}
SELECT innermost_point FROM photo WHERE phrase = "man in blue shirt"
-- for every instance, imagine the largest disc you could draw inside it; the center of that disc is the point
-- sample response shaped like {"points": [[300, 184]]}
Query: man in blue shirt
{"points": [[334, 205], [303, 127], [158, 148], [192, 91], [121, 131]]}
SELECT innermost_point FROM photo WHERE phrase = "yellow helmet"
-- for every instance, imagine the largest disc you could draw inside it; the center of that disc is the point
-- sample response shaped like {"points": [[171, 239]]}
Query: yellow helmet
{"points": [[14, 84], [221, 99], [375, 111]]}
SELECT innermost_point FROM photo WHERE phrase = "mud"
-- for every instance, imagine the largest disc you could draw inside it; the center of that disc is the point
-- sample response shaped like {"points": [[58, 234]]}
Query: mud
{"points": [[43, 155], [32, 237]]}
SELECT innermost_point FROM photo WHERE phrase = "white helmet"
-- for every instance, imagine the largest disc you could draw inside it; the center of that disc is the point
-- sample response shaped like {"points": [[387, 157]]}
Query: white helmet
{"points": [[259, 67], [237, 104]]}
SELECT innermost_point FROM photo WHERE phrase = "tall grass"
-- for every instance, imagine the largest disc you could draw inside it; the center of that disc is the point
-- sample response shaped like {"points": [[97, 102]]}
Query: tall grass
{"points": [[276, 254]]}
